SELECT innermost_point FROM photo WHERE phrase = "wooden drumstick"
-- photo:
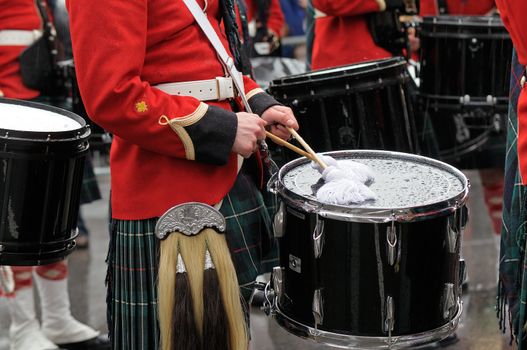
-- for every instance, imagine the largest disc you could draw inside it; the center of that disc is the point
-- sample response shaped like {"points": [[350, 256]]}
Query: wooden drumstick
{"points": [[284, 143], [307, 147]]}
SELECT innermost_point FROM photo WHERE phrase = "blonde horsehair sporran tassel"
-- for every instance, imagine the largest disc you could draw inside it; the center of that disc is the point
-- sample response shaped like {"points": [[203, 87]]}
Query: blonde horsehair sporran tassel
{"points": [[193, 252]]}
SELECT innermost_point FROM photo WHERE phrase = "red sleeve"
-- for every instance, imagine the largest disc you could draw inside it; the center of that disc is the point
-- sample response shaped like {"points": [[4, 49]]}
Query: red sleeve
{"points": [[276, 18], [428, 8], [348, 7], [109, 45], [512, 13]]}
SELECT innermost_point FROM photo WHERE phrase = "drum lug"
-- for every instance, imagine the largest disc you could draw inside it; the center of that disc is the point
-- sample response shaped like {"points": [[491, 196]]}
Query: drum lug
{"points": [[279, 221], [464, 100], [317, 307], [449, 301], [391, 241], [452, 233], [389, 320], [318, 237]]}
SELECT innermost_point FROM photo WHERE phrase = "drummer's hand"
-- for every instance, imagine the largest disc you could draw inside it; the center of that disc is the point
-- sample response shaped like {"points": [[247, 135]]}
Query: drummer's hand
{"points": [[415, 42], [251, 128], [277, 117]]}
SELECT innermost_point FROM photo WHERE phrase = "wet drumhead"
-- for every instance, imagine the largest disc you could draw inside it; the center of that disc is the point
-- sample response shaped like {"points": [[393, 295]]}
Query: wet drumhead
{"points": [[401, 180], [24, 118]]}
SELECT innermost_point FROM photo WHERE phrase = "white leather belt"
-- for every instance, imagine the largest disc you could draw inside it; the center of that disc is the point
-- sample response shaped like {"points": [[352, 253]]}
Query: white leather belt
{"points": [[218, 89], [19, 37]]}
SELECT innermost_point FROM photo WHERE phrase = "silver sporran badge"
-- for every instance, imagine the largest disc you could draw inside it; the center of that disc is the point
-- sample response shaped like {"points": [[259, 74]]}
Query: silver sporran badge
{"points": [[189, 219]]}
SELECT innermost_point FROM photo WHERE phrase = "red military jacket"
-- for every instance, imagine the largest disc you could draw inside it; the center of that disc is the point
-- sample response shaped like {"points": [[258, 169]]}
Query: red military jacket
{"points": [[16, 15], [513, 13], [458, 7], [275, 21], [342, 35], [121, 50]]}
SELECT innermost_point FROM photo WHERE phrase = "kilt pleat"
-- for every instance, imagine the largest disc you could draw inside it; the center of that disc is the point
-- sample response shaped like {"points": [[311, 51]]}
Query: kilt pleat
{"points": [[134, 255], [512, 286], [133, 302]]}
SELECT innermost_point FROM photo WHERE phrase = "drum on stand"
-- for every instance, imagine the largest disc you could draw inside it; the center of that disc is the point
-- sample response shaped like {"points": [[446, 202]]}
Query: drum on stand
{"points": [[385, 274], [464, 77], [42, 153], [365, 105]]}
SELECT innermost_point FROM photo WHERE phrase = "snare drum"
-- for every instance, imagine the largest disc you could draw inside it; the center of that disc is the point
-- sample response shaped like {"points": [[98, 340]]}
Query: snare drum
{"points": [[365, 105], [464, 77], [42, 152], [382, 274]]}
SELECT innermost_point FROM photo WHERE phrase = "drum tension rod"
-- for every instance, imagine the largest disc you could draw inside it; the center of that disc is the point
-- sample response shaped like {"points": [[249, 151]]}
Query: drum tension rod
{"points": [[391, 240]]}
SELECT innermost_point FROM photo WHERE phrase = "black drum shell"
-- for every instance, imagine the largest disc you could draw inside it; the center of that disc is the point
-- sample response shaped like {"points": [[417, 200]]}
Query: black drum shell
{"points": [[347, 273], [361, 106], [464, 88], [465, 56], [39, 190]]}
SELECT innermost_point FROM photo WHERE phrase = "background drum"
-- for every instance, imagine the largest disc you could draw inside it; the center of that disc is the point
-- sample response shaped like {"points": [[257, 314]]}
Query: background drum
{"points": [[465, 69], [267, 69], [382, 273], [100, 139], [42, 154], [364, 105]]}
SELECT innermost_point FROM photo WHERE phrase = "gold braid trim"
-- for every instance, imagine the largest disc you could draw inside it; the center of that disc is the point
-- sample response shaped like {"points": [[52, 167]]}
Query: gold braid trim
{"points": [[253, 92], [382, 4], [179, 124]]}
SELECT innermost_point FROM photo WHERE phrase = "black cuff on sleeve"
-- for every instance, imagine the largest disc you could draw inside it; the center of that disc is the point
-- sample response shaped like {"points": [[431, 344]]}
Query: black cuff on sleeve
{"points": [[213, 135], [261, 101]]}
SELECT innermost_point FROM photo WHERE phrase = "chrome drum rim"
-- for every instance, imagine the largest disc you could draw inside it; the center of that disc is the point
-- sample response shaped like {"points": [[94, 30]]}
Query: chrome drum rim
{"points": [[367, 214], [345, 341]]}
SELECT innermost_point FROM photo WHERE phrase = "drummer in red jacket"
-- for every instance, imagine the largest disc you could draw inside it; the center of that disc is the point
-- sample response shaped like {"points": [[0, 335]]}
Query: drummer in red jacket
{"points": [[20, 26], [149, 75], [342, 35], [264, 24]]}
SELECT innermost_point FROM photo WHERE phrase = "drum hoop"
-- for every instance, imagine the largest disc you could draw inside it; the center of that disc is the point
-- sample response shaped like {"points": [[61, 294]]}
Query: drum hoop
{"points": [[463, 21], [468, 36], [345, 341], [81, 133], [322, 76], [453, 102], [324, 91], [374, 214]]}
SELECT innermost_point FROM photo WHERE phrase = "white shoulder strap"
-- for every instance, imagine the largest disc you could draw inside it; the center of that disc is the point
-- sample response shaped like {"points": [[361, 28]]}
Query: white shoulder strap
{"points": [[211, 34]]}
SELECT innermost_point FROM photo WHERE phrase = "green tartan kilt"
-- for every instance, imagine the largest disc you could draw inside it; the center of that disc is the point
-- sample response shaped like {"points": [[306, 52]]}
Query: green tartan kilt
{"points": [[133, 264]]}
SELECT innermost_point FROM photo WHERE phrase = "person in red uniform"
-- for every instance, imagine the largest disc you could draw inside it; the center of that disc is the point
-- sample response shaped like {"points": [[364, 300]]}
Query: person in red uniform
{"points": [[261, 23], [20, 26], [342, 35], [512, 293], [168, 148]]}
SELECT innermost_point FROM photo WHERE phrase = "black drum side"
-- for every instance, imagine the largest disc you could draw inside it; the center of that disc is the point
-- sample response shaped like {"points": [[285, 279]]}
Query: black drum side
{"points": [[355, 278], [40, 183]]}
